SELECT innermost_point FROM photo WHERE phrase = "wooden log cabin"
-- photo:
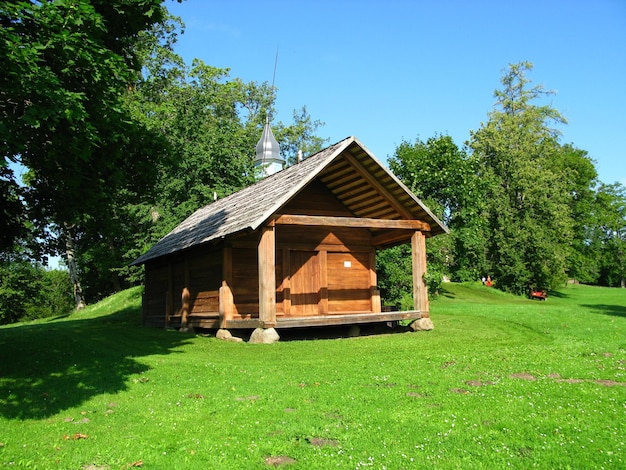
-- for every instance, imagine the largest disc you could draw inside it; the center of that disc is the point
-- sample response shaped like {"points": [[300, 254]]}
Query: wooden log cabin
{"points": [[296, 249]]}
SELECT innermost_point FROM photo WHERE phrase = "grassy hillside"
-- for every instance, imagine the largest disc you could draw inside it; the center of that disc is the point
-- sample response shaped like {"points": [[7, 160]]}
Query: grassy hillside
{"points": [[501, 381]]}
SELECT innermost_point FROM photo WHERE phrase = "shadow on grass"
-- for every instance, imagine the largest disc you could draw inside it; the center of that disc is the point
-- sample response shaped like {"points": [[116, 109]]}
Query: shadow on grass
{"points": [[49, 367], [443, 292], [558, 294], [614, 310], [342, 331], [315, 333]]}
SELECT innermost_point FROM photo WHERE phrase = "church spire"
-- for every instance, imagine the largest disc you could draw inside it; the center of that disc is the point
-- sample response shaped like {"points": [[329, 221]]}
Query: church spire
{"points": [[268, 152]]}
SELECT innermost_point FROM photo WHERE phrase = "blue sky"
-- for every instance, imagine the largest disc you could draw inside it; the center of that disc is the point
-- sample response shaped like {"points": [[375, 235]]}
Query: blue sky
{"points": [[394, 70]]}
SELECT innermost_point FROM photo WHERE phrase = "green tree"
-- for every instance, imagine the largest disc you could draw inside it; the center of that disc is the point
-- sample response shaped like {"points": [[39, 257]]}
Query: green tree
{"points": [[530, 227], [299, 136], [437, 171], [608, 240], [395, 281], [580, 178], [445, 178], [66, 68], [29, 291]]}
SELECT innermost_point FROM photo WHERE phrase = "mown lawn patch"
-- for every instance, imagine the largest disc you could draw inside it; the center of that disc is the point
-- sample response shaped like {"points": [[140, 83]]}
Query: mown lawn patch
{"points": [[501, 381]]}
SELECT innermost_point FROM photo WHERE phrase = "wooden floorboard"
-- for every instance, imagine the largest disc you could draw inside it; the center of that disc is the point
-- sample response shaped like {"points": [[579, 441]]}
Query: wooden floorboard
{"points": [[346, 319]]}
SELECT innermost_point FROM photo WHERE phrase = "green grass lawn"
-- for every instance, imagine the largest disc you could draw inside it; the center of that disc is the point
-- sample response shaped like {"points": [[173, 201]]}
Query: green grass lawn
{"points": [[500, 382]]}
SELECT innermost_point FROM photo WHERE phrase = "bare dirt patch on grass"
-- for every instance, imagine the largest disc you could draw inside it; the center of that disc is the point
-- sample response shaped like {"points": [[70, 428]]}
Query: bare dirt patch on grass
{"points": [[322, 442], [279, 460], [478, 383], [610, 383], [523, 376], [557, 377]]}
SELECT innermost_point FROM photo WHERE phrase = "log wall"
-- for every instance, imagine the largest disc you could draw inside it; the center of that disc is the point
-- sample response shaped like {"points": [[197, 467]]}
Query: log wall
{"points": [[183, 287]]}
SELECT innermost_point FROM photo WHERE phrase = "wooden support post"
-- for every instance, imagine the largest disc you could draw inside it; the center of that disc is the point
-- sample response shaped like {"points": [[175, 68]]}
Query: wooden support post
{"points": [[185, 301], [374, 292], [185, 308], [418, 257], [169, 297], [267, 277], [225, 304]]}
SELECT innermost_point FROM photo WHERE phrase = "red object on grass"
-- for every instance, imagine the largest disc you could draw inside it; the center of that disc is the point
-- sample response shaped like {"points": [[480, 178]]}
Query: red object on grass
{"points": [[539, 295]]}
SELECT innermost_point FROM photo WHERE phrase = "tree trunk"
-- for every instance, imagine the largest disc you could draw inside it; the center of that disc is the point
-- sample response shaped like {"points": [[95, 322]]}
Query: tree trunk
{"points": [[79, 299]]}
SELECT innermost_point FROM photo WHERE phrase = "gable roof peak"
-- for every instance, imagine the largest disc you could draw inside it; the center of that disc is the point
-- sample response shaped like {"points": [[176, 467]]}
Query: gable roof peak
{"points": [[251, 207]]}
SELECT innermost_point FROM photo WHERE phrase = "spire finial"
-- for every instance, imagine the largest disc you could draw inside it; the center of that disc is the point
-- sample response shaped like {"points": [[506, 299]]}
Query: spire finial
{"points": [[267, 149]]}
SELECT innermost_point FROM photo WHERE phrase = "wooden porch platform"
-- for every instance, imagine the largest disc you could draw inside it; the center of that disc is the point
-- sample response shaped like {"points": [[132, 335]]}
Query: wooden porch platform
{"points": [[201, 321]]}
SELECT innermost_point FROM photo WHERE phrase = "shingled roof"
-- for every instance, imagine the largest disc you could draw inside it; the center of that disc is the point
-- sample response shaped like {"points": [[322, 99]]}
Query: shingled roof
{"points": [[251, 207]]}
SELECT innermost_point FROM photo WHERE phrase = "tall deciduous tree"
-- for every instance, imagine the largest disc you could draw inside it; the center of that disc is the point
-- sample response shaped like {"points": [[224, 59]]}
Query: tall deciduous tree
{"points": [[527, 205], [608, 241], [66, 67], [446, 179], [580, 178]]}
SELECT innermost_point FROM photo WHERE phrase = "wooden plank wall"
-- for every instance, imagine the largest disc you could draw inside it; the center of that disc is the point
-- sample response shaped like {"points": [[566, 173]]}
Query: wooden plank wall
{"points": [[245, 280], [349, 287], [345, 259], [155, 295], [197, 273]]}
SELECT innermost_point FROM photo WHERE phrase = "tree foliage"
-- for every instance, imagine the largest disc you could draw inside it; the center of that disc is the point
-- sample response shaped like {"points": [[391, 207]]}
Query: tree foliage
{"points": [[607, 242], [208, 124], [211, 123], [522, 207], [29, 291], [66, 68], [529, 222], [446, 179]]}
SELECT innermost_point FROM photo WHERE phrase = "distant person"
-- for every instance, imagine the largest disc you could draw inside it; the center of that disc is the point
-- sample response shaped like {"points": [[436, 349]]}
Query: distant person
{"points": [[483, 279], [488, 281]]}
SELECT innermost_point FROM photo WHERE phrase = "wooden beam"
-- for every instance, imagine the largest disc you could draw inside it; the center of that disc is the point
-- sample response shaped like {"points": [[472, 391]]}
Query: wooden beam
{"points": [[353, 222], [358, 167], [226, 304], [374, 292], [392, 238], [169, 295], [418, 259], [185, 307], [346, 318], [267, 277], [185, 296]]}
